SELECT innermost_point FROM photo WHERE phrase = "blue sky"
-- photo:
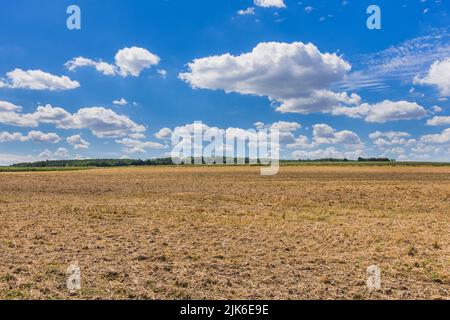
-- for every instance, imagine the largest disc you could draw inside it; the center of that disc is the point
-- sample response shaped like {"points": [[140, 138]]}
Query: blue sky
{"points": [[311, 68]]}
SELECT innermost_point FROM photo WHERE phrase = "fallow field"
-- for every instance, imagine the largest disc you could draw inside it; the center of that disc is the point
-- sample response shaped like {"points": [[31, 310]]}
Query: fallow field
{"points": [[309, 232]]}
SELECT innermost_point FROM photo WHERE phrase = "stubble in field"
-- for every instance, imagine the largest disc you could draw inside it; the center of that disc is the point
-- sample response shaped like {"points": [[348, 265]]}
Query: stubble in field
{"points": [[226, 233]]}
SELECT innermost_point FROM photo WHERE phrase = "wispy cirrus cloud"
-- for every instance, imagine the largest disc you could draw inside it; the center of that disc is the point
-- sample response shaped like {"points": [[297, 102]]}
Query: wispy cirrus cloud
{"points": [[402, 62]]}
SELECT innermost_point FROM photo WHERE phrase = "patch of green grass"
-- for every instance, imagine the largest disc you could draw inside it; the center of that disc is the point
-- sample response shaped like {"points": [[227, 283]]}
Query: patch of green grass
{"points": [[7, 278], [16, 295], [436, 277], [41, 169]]}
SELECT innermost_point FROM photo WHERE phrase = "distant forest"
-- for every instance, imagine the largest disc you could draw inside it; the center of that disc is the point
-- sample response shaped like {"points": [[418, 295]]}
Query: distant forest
{"points": [[157, 162]]}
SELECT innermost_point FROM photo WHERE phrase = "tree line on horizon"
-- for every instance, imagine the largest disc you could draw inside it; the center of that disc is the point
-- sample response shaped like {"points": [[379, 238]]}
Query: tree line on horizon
{"points": [[160, 162]]}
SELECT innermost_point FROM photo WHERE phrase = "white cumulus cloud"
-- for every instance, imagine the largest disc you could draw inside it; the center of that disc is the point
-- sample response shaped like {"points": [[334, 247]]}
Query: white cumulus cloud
{"points": [[77, 142], [33, 136], [104, 123], [38, 136], [438, 75], [9, 107], [164, 134], [248, 11], [296, 76], [131, 61], [439, 121], [103, 67], [120, 102], [39, 80], [384, 140], [128, 62], [270, 3], [137, 146], [61, 153], [325, 134], [384, 111], [330, 152], [441, 138]]}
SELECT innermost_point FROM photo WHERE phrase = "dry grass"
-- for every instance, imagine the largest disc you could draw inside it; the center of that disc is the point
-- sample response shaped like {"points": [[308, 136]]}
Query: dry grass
{"points": [[222, 233]]}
